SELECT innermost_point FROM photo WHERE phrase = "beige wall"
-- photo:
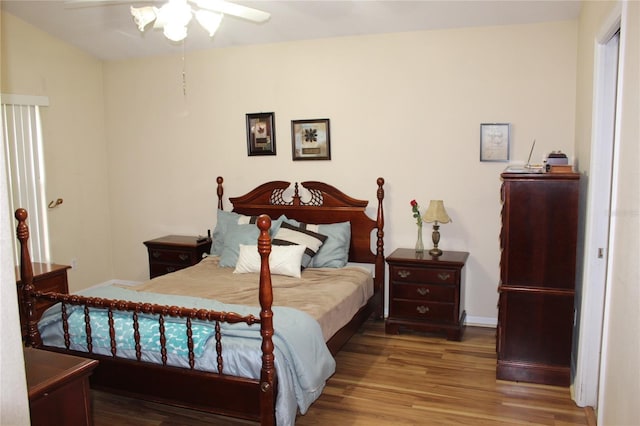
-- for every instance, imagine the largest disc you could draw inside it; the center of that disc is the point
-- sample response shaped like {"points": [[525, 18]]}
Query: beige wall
{"points": [[74, 143], [406, 107], [14, 405], [135, 157]]}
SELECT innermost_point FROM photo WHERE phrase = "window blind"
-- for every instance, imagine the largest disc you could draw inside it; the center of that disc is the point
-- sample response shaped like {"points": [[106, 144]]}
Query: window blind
{"points": [[24, 157]]}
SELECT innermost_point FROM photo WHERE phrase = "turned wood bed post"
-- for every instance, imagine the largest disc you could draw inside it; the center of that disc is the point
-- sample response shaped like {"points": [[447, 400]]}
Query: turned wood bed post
{"points": [[26, 276], [379, 314], [220, 191], [267, 374]]}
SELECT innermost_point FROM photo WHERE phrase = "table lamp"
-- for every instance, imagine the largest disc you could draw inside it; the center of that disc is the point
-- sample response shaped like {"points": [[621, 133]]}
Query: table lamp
{"points": [[437, 214]]}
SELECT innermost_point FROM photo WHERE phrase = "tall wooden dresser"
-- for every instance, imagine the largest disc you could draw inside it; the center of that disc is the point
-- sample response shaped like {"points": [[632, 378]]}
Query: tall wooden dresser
{"points": [[537, 277]]}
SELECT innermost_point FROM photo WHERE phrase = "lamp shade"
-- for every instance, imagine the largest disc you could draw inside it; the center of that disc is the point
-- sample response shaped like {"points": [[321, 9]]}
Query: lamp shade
{"points": [[436, 213]]}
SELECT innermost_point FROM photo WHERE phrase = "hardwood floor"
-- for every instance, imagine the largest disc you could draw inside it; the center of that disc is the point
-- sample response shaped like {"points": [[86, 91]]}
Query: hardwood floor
{"points": [[406, 379]]}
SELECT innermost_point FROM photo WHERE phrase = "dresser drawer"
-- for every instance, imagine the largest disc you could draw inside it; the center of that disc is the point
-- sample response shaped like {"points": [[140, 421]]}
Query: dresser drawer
{"points": [[427, 292], [179, 257], [423, 275], [421, 310]]}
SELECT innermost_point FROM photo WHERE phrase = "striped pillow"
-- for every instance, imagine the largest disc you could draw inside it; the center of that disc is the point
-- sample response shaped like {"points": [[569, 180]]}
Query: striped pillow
{"points": [[291, 235]]}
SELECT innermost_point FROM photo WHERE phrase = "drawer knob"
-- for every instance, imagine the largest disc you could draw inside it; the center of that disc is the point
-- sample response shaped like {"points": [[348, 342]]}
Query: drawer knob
{"points": [[423, 291], [183, 256], [444, 276], [403, 273], [422, 309], [156, 254], [171, 269]]}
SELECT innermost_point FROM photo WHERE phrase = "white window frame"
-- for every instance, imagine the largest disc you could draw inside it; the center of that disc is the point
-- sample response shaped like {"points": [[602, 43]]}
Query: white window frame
{"points": [[24, 166]]}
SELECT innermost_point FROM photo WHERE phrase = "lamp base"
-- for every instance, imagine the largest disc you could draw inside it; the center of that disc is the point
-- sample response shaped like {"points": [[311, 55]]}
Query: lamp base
{"points": [[435, 252]]}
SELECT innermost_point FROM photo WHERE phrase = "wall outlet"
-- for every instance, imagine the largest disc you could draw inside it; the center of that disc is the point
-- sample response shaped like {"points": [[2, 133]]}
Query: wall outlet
{"points": [[74, 263]]}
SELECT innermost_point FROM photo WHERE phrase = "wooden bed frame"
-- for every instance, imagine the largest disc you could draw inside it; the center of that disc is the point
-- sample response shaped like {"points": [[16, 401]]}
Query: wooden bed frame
{"points": [[216, 392]]}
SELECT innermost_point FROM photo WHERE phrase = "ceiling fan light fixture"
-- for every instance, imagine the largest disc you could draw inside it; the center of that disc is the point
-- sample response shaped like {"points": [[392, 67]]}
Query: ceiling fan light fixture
{"points": [[143, 16], [174, 16], [175, 12], [175, 32], [210, 21]]}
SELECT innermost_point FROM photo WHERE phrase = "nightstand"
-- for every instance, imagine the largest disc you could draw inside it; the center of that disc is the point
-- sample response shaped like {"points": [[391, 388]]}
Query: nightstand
{"points": [[426, 293], [175, 252], [58, 386], [47, 277]]}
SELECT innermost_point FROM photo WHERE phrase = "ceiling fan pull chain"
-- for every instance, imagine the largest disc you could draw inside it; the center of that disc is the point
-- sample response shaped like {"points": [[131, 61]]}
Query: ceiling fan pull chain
{"points": [[184, 72]]}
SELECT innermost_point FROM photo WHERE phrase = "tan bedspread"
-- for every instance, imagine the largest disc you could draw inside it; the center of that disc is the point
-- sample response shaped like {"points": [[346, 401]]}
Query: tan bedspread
{"points": [[331, 296]]}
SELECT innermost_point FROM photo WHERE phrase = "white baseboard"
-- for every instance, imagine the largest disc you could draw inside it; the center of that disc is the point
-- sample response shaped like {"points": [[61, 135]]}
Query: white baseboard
{"points": [[481, 321]]}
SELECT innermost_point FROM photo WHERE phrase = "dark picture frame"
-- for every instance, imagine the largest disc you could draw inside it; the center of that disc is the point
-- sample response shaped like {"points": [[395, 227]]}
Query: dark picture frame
{"points": [[310, 139], [495, 141], [261, 134]]}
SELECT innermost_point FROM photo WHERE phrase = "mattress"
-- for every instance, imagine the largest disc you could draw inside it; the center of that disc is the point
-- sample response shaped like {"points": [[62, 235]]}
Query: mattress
{"points": [[331, 296]]}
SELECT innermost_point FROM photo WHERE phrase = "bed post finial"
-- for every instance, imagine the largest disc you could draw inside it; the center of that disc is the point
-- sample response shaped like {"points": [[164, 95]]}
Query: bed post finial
{"points": [[380, 247], [267, 373], [27, 317], [220, 191]]}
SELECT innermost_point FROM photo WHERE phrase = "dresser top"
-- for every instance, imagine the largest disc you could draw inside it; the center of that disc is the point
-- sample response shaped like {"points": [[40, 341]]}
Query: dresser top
{"points": [[46, 369], [448, 258]]}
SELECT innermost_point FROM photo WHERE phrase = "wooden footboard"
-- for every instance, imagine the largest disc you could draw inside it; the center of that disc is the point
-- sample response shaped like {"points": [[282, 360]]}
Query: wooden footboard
{"points": [[213, 392]]}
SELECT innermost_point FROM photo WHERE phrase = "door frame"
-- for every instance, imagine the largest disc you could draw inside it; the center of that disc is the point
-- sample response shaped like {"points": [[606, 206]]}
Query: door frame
{"points": [[601, 189]]}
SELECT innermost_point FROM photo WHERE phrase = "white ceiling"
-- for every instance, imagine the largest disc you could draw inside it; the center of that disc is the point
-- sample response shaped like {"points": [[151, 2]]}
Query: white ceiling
{"points": [[107, 31]]}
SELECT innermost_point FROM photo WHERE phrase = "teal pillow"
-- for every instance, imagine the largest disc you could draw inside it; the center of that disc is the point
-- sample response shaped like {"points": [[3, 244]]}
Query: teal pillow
{"points": [[334, 253], [224, 222], [236, 235]]}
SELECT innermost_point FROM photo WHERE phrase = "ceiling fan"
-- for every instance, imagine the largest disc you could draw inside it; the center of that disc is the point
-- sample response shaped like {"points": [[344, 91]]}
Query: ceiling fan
{"points": [[174, 16]]}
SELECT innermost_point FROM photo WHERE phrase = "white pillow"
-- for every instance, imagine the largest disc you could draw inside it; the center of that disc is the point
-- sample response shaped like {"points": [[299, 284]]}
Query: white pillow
{"points": [[283, 260]]}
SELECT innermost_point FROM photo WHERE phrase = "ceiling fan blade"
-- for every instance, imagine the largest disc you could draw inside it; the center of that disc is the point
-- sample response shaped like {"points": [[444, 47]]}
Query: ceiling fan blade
{"points": [[233, 9], [93, 3]]}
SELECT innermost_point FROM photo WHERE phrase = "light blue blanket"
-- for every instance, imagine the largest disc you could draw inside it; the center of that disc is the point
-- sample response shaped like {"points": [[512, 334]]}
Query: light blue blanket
{"points": [[303, 360]]}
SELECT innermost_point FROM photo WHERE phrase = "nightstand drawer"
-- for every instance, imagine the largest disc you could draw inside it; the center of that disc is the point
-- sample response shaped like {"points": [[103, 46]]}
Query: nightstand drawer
{"points": [[55, 283], [422, 275], [156, 269], [171, 256], [46, 278], [422, 310], [428, 292], [174, 252]]}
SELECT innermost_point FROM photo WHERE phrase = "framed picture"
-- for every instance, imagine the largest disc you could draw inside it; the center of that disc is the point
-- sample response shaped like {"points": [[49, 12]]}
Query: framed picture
{"points": [[494, 141], [310, 139], [261, 134]]}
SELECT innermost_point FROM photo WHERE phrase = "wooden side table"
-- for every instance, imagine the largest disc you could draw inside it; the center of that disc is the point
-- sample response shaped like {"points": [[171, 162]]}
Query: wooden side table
{"points": [[174, 252], [427, 293], [46, 277], [58, 386]]}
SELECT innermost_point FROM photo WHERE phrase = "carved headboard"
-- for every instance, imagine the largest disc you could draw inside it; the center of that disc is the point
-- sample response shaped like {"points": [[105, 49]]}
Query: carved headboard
{"points": [[320, 203]]}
